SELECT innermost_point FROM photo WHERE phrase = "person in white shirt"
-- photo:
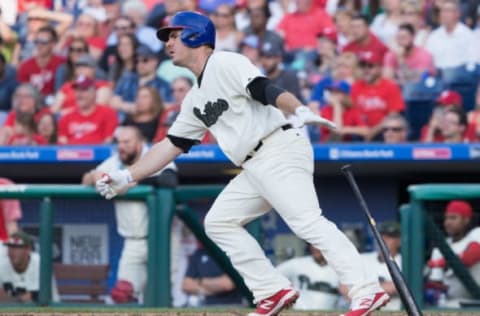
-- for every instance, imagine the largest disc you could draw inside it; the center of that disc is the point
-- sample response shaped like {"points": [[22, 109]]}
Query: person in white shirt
{"points": [[316, 280], [242, 109], [464, 240], [20, 271], [390, 232], [451, 44], [385, 25], [132, 216]]}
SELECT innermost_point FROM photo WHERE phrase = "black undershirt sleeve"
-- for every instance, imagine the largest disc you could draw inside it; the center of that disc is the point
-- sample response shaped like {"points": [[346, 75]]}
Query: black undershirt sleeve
{"points": [[264, 91], [184, 143]]}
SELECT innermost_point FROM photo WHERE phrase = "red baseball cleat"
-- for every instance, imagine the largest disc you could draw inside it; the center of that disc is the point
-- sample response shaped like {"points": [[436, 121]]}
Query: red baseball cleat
{"points": [[364, 305], [274, 304]]}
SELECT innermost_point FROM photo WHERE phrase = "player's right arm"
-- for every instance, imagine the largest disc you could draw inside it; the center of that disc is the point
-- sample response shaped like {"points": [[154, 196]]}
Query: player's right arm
{"points": [[153, 161], [160, 155]]}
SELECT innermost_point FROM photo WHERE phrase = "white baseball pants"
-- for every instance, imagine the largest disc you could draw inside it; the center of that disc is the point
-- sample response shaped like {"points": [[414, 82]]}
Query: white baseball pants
{"points": [[280, 175], [132, 266]]}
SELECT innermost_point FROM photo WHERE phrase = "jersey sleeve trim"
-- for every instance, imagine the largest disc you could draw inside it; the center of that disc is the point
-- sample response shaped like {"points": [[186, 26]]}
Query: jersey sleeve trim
{"points": [[183, 143], [264, 91]]}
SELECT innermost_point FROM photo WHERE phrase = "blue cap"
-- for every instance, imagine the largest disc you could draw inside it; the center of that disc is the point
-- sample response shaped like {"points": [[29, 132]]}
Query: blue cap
{"points": [[339, 85], [146, 51], [251, 41]]}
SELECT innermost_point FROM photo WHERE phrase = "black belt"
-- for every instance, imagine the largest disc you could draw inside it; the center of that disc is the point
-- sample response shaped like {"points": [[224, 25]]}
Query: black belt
{"points": [[260, 143]]}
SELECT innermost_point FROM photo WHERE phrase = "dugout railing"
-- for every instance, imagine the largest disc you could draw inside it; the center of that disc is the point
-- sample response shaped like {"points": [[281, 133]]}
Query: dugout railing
{"points": [[162, 204], [421, 231]]}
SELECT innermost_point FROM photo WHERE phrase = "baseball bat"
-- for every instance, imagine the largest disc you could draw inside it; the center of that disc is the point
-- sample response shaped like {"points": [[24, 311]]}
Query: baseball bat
{"points": [[403, 290]]}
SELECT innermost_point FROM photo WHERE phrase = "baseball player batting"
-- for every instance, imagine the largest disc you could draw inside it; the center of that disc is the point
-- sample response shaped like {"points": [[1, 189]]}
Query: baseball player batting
{"points": [[242, 109]]}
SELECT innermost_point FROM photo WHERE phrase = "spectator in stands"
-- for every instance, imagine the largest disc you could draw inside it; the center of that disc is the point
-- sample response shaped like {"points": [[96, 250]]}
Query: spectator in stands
{"points": [[465, 243], [87, 28], [207, 284], [96, 9], [250, 47], [10, 214], [390, 233], [407, 63], [340, 110], [137, 12], [30, 23], [89, 123], [227, 36], [26, 99], [40, 70], [20, 271], [326, 53], [123, 25], [394, 129], [25, 131], [385, 25], [8, 83], [125, 58], [432, 132], [473, 118], [77, 47], [65, 99], [375, 97], [345, 69], [8, 38], [451, 43], [47, 128], [363, 43], [259, 15], [454, 125], [343, 24], [180, 88], [271, 60], [300, 28], [314, 278], [412, 14], [146, 75], [146, 113], [131, 216]]}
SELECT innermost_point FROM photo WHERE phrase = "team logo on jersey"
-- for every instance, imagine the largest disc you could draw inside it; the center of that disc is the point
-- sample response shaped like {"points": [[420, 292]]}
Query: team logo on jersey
{"points": [[212, 111]]}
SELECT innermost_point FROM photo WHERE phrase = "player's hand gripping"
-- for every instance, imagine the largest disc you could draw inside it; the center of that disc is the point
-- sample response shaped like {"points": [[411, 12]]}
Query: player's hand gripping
{"points": [[306, 116], [114, 183]]}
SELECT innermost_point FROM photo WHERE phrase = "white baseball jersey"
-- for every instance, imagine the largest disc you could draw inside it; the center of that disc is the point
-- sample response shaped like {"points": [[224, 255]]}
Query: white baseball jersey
{"points": [[318, 285], [222, 104], [131, 216], [28, 281], [455, 288], [372, 261]]}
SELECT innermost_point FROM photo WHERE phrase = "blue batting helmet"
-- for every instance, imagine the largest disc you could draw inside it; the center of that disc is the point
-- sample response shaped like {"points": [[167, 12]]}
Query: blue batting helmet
{"points": [[197, 29]]}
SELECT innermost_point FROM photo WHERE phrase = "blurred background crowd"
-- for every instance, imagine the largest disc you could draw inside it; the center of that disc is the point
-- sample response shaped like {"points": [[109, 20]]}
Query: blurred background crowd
{"points": [[389, 71]]}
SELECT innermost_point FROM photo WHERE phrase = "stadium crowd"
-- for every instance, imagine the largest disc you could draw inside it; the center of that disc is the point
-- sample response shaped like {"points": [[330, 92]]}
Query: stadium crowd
{"points": [[393, 71]]}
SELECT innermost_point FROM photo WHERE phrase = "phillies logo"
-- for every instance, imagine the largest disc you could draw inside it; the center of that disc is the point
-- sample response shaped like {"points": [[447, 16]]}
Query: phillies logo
{"points": [[212, 112]]}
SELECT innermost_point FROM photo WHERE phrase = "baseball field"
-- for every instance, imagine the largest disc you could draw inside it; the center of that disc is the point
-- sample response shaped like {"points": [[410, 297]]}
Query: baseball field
{"points": [[91, 311]]}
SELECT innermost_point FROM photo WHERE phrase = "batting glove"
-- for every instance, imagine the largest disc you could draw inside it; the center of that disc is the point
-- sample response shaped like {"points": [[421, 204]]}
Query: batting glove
{"points": [[306, 116], [111, 184]]}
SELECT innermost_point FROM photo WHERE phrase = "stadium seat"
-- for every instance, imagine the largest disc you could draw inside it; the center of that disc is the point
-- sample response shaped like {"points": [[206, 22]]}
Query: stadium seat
{"points": [[419, 100], [81, 283]]}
